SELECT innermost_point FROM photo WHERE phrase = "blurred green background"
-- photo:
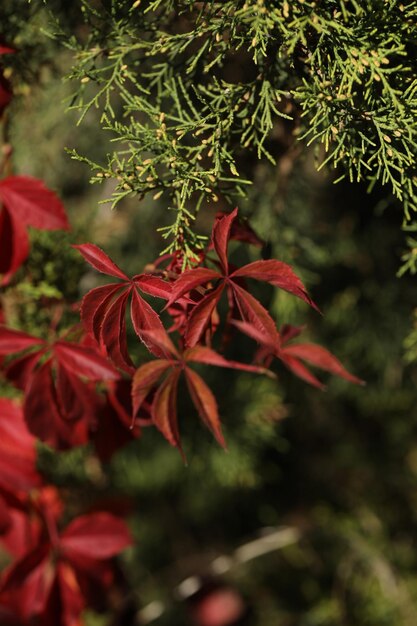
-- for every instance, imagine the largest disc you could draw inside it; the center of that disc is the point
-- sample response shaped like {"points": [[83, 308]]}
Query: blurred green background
{"points": [[339, 468]]}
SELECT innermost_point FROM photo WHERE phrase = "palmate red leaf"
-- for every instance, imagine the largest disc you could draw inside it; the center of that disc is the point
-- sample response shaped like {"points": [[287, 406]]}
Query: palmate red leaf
{"points": [[14, 244], [145, 378], [15, 341], [320, 357], [103, 309], [278, 274], [42, 413], [164, 409], [95, 536], [205, 403], [29, 201], [252, 312], [83, 361], [100, 261]]}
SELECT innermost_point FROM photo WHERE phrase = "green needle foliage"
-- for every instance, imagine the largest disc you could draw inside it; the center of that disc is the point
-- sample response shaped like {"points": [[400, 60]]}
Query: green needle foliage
{"points": [[189, 91]]}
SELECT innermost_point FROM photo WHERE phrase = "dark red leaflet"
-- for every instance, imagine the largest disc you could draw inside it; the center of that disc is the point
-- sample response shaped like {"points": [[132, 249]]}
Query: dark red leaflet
{"points": [[278, 274], [40, 408], [221, 236], [145, 379], [301, 371], [203, 354], [164, 408], [153, 285], [205, 403], [30, 202], [84, 361], [14, 245], [200, 316], [100, 261], [94, 306], [20, 370], [252, 312], [15, 341], [191, 279], [144, 318], [161, 340], [73, 398], [113, 333], [26, 580], [17, 449], [95, 536], [322, 358]]}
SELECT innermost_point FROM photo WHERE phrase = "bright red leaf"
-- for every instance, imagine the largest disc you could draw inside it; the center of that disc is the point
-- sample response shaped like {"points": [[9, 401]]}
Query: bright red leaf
{"points": [[163, 376], [251, 310], [103, 308]]}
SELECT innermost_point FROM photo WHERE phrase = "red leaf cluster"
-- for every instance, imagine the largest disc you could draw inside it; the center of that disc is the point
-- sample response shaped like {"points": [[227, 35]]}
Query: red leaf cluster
{"points": [[56, 570]]}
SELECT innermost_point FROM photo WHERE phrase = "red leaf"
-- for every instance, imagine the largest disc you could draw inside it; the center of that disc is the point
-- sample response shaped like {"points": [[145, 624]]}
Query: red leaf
{"points": [[6, 93], [322, 358], [94, 306], [278, 274], [84, 361], [17, 450], [20, 370], [160, 340], [27, 583], [164, 408], [251, 331], [145, 318], [30, 202], [202, 354], [40, 409], [301, 371], [145, 379], [6, 49], [189, 280], [221, 236], [200, 316], [73, 397], [100, 261], [205, 403], [14, 244], [153, 285], [255, 314], [95, 536], [113, 333], [16, 341]]}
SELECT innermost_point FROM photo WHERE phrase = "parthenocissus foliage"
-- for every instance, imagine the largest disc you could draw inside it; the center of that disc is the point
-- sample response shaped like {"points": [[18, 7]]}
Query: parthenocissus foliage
{"points": [[192, 96]]}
